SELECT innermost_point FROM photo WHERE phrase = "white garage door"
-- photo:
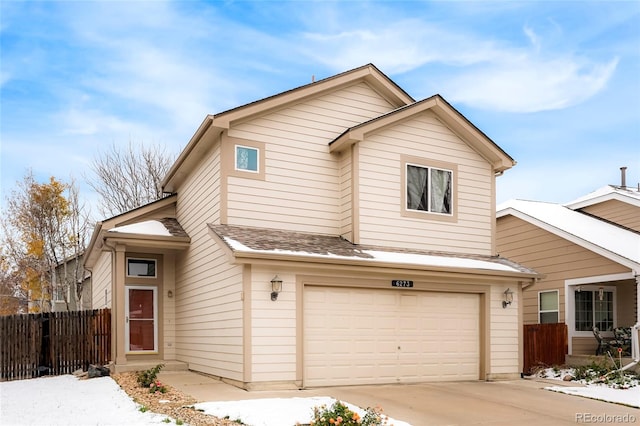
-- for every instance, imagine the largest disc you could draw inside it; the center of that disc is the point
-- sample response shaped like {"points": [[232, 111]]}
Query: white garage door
{"points": [[365, 336]]}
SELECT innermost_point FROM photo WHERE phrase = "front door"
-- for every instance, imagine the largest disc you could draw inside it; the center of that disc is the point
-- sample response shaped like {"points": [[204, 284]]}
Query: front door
{"points": [[141, 307]]}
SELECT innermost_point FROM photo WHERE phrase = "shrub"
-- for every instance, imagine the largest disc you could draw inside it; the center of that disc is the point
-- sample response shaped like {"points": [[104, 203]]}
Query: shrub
{"points": [[147, 377], [340, 415], [157, 387]]}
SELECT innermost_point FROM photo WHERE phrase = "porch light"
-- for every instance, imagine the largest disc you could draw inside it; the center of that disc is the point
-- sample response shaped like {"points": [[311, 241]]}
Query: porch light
{"points": [[601, 294], [508, 298], [276, 287]]}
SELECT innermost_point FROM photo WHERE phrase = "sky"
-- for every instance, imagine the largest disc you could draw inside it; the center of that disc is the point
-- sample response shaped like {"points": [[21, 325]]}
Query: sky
{"points": [[554, 84]]}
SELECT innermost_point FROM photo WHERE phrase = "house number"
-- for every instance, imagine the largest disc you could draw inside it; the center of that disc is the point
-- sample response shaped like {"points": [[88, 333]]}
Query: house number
{"points": [[401, 283]]}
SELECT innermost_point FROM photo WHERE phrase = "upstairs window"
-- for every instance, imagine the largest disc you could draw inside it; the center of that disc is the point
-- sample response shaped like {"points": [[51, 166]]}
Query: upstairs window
{"points": [[429, 189], [247, 158]]}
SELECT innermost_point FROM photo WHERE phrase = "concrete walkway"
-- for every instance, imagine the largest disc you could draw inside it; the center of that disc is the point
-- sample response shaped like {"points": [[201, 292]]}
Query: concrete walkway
{"points": [[517, 402]]}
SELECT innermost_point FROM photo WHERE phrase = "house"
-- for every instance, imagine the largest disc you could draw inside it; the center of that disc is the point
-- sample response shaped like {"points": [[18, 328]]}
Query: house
{"points": [[589, 252], [71, 286], [337, 233]]}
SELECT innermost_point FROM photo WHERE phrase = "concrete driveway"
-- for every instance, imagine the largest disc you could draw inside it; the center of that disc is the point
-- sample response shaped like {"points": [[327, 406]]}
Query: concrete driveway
{"points": [[517, 402]]}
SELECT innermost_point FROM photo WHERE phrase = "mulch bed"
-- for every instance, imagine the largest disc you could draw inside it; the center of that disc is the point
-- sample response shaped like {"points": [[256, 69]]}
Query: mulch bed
{"points": [[175, 404]]}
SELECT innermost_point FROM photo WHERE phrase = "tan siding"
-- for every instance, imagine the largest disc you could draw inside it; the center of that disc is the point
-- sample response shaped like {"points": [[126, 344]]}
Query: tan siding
{"points": [[304, 186], [504, 333], [273, 327], [381, 189], [208, 306], [101, 281], [346, 196], [618, 212], [551, 255]]}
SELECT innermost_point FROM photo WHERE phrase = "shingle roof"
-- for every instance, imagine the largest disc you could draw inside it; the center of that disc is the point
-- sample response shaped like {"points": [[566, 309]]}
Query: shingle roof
{"points": [[278, 242]]}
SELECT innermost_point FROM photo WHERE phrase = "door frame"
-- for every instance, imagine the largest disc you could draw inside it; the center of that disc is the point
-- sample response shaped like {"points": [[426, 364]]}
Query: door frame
{"points": [[155, 318]]}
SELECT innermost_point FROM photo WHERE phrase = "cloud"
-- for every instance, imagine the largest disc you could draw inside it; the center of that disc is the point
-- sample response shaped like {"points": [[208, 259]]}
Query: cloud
{"points": [[529, 84], [480, 71]]}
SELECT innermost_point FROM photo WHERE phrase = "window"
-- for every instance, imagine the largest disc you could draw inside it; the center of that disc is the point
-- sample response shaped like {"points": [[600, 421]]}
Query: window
{"points": [[429, 189], [548, 307], [247, 158], [59, 293], [594, 308], [141, 268]]}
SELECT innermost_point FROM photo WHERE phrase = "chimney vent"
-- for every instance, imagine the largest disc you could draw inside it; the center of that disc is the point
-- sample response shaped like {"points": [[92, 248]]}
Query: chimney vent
{"points": [[623, 177]]}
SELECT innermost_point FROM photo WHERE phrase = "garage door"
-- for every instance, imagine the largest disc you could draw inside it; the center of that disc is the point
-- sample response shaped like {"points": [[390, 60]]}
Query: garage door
{"points": [[365, 336]]}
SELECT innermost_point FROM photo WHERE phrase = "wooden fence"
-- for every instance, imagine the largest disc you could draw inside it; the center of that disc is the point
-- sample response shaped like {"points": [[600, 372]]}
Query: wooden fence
{"points": [[544, 345], [53, 343]]}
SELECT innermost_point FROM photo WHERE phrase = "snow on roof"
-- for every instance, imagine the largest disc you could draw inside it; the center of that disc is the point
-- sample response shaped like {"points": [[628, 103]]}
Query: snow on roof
{"points": [[619, 244], [278, 243], [609, 192], [148, 227]]}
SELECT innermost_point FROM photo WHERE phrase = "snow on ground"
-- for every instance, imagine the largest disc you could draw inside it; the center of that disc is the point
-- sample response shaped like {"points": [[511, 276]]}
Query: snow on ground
{"points": [[67, 401], [630, 396], [276, 411]]}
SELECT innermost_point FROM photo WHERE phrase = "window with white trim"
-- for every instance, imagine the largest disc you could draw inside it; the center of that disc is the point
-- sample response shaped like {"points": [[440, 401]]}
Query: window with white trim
{"points": [[548, 311], [247, 158], [594, 308], [429, 189]]}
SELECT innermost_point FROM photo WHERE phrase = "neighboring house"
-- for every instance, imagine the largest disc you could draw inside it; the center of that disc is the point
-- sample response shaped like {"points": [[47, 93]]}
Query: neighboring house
{"points": [[71, 286], [337, 233], [589, 252]]}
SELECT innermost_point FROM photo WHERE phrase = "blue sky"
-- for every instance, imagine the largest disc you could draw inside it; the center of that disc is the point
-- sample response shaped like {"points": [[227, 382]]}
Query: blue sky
{"points": [[555, 84]]}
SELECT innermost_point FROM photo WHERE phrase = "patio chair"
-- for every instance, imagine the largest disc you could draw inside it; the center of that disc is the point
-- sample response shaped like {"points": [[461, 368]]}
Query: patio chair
{"points": [[603, 345]]}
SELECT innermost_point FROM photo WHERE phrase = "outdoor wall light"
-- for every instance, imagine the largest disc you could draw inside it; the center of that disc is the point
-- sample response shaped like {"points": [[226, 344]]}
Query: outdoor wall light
{"points": [[508, 298], [170, 294], [276, 287]]}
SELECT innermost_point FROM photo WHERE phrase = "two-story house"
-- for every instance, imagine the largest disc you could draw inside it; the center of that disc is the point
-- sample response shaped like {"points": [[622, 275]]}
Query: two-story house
{"points": [[337, 233]]}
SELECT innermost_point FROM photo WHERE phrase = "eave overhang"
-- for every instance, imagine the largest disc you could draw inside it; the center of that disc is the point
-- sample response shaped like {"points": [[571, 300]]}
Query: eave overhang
{"points": [[455, 121]]}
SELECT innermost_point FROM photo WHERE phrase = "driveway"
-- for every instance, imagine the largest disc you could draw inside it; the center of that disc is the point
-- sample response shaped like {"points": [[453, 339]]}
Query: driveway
{"points": [[515, 402]]}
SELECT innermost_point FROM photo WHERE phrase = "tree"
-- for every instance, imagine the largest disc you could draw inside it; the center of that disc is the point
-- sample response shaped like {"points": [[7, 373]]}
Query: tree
{"points": [[127, 178], [43, 226]]}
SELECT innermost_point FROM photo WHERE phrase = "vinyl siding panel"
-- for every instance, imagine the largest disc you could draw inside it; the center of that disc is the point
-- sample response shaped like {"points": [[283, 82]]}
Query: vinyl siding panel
{"points": [[504, 333], [101, 281], [208, 306], [551, 255], [303, 188], [273, 327], [380, 189], [346, 195], [618, 212]]}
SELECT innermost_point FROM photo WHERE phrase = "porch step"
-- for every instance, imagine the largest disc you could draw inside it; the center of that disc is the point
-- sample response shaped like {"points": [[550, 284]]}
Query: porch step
{"points": [[169, 365]]}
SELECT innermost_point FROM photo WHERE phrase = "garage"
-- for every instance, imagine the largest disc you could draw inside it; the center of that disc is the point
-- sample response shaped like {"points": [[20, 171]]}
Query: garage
{"points": [[375, 336]]}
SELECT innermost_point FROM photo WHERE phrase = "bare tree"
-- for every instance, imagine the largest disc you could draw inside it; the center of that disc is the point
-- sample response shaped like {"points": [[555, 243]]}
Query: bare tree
{"points": [[127, 178]]}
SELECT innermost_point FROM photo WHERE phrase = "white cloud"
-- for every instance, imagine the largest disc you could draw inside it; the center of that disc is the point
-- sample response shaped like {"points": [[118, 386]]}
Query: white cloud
{"points": [[483, 72], [530, 84]]}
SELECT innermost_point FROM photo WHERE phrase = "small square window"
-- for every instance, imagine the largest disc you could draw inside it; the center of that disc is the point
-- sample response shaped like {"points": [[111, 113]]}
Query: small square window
{"points": [[429, 189], [247, 158], [141, 268]]}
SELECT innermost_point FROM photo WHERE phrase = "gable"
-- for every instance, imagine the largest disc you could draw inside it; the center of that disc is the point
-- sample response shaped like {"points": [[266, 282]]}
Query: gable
{"points": [[214, 125], [448, 115], [608, 240], [616, 211]]}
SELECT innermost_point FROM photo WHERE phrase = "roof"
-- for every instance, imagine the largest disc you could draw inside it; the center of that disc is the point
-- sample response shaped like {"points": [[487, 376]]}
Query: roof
{"points": [[262, 243], [168, 227], [611, 241], [212, 125], [626, 194], [458, 123]]}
